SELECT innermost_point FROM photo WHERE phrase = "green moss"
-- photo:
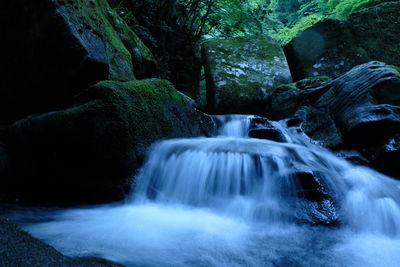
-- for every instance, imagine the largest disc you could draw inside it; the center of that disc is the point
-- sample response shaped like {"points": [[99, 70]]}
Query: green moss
{"points": [[286, 34], [312, 82], [263, 47], [286, 87], [376, 29], [111, 39], [397, 69], [322, 78], [153, 108], [242, 73], [308, 110]]}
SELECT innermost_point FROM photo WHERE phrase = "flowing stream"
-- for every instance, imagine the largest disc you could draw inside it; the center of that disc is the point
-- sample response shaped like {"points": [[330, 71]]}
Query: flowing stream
{"points": [[232, 200]]}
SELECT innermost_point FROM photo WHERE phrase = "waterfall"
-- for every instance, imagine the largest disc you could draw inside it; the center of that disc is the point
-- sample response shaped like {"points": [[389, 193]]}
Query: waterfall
{"points": [[232, 200], [233, 125]]}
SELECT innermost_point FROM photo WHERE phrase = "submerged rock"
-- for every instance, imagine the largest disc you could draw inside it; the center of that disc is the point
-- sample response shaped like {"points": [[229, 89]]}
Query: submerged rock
{"points": [[54, 49], [242, 72], [88, 152], [361, 110], [332, 47]]}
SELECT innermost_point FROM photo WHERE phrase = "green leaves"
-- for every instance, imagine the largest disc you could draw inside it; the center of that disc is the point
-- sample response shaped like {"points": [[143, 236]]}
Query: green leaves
{"points": [[282, 19]]}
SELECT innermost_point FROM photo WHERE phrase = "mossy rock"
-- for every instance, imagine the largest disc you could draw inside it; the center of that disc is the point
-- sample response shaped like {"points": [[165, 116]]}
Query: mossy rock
{"points": [[88, 153], [242, 72], [107, 36], [54, 49], [312, 82], [332, 47], [284, 102], [327, 48], [286, 99]]}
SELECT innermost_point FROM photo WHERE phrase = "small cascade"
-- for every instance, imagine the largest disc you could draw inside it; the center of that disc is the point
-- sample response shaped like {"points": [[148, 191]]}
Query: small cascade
{"points": [[233, 125], [219, 201], [256, 177], [226, 174]]}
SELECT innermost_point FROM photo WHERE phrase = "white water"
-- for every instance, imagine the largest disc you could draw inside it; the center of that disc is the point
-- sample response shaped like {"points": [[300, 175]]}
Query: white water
{"points": [[234, 201]]}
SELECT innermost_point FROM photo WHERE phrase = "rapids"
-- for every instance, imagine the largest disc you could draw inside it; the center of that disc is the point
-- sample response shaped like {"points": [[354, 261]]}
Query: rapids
{"points": [[232, 200]]}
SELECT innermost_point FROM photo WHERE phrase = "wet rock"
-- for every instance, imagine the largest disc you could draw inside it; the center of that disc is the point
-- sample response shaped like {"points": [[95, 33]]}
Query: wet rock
{"points": [[55, 49], [241, 73], [311, 188], [286, 99], [262, 128], [353, 156], [332, 47], [317, 212], [284, 102], [88, 153], [313, 204], [268, 134], [312, 82], [385, 157], [293, 122], [360, 110]]}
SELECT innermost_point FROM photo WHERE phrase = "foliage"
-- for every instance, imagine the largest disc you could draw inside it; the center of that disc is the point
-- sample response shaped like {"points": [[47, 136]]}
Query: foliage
{"points": [[297, 15], [285, 34], [283, 19], [124, 12], [346, 7]]}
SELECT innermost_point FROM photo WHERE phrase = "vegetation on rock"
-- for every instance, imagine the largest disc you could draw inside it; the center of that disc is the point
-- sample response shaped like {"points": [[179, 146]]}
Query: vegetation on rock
{"points": [[332, 47], [56, 49], [94, 147], [241, 73]]}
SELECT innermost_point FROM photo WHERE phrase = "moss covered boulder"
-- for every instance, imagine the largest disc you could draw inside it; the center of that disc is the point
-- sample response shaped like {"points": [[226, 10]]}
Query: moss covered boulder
{"points": [[88, 153], [54, 49], [332, 47], [242, 72]]}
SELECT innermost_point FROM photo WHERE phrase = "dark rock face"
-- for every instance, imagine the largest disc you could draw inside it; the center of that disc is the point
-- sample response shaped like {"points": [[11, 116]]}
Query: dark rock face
{"points": [[88, 152], [313, 199], [18, 248], [286, 99], [262, 128], [242, 72], [353, 156], [160, 27], [56, 49], [332, 47], [361, 110]]}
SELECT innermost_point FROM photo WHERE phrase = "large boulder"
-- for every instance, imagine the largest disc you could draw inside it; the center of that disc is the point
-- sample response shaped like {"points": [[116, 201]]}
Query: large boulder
{"points": [[361, 110], [89, 152], [242, 72], [53, 49], [332, 47]]}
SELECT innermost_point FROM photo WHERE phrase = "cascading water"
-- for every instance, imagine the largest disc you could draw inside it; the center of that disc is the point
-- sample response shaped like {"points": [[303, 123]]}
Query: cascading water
{"points": [[232, 200]]}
